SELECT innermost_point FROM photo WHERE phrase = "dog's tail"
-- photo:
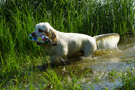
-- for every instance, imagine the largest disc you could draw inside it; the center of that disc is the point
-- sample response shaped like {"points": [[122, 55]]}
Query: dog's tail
{"points": [[107, 41]]}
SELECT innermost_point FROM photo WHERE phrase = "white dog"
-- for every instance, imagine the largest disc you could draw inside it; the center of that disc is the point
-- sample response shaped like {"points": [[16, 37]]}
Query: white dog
{"points": [[65, 45]]}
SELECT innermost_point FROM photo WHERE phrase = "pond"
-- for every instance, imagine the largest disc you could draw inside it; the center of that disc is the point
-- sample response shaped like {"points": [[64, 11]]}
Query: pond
{"points": [[104, 62]]}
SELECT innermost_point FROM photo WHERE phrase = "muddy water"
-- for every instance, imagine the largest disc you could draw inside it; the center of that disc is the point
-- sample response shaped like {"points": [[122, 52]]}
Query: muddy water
{"points": [[101, 64]]}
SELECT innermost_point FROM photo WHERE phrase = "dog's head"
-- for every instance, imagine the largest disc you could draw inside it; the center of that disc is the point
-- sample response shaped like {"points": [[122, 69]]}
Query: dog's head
{"points": [[45, 29]]}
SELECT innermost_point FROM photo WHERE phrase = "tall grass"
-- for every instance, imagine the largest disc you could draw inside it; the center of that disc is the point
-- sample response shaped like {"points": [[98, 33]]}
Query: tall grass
{"points": [[18, 19]]}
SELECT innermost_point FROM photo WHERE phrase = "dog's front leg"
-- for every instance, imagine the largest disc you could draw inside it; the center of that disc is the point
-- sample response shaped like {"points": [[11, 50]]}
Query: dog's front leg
{"points": [[59, 57]]}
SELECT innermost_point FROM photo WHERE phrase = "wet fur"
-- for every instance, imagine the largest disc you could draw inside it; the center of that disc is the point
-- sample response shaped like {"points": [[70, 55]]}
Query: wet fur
{"points": [[107, 41], [69, 44]]}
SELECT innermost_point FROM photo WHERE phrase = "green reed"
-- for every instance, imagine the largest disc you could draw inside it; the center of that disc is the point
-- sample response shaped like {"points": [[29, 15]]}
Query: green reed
{"points": [[18, 19]]}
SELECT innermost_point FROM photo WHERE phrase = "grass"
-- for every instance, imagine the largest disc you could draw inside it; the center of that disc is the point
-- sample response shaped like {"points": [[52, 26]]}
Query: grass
{"points": [[18, 19], [43, 81]]}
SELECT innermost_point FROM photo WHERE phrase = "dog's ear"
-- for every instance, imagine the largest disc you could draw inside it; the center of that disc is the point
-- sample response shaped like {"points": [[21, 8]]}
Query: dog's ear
{"points": [[51, 34], [53, 37]]}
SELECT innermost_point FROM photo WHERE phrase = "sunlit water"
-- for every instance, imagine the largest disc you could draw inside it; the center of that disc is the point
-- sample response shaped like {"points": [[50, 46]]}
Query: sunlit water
{"points": [[99, 66]]}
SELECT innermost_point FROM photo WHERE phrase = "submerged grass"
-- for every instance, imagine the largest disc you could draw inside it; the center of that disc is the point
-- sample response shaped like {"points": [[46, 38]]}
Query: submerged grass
{"points": [[18, 19]]}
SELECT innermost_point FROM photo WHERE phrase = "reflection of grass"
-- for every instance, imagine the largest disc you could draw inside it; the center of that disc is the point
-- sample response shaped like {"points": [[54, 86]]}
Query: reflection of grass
{"points": [[17, 21]]}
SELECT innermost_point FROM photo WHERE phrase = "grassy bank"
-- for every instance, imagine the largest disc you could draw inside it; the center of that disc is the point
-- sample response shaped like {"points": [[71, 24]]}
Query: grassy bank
{"points": [[18, 19]]}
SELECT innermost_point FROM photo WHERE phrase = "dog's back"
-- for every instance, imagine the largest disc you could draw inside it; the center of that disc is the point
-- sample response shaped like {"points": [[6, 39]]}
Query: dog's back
{"points": [[107, 41]]}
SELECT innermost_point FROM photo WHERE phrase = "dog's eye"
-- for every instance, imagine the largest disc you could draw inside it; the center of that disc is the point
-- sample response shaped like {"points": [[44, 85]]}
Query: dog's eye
{"points": [[40, 30]]}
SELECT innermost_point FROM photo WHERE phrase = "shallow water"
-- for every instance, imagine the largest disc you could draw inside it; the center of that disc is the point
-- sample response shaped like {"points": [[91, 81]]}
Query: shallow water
{"points": [[103, 62]]}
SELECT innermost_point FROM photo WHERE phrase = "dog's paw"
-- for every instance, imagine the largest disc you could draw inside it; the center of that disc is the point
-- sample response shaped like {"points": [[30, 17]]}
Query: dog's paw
{"points": [[59, 61]]}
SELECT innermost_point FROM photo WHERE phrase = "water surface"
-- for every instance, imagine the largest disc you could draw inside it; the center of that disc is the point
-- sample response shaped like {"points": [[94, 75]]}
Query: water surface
{"points": [[103, 62]]}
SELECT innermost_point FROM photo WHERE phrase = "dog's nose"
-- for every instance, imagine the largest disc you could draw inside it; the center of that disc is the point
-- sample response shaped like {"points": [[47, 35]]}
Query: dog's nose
{"points": [[33, 34]]}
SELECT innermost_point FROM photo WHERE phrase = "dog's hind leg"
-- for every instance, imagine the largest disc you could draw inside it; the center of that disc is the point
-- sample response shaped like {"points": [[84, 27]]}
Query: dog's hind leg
{"points": [[89, 49]]}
